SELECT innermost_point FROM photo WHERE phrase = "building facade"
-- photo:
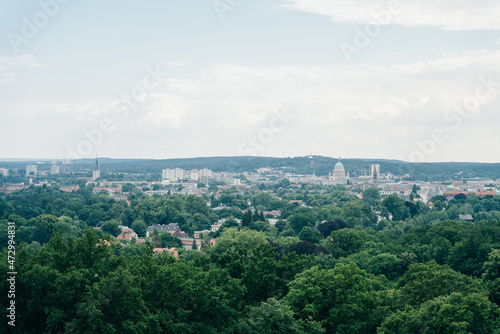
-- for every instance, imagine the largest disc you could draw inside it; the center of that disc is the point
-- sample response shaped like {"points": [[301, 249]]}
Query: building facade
{"points": [[31, 170], [338, 175], [4, 171], [172, 175], [54, 169]]}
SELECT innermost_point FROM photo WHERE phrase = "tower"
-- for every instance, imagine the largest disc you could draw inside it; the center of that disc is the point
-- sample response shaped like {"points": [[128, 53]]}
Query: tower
{"points": [[96, 173], [374, 173]]}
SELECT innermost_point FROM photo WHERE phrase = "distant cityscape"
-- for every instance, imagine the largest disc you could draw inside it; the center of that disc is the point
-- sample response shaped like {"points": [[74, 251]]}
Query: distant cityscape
{"points": [[355, 178]]}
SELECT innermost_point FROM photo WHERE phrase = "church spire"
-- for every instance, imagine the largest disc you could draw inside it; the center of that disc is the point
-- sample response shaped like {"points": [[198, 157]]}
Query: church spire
{"points": [[97, 172]]}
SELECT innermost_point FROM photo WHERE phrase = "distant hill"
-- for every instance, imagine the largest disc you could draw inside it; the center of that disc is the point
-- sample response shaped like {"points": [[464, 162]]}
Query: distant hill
{"points": [[320, 165]]}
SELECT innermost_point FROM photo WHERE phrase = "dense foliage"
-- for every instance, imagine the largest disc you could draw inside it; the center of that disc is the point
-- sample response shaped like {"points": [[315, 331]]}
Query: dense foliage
{"points": [[424, 271]]}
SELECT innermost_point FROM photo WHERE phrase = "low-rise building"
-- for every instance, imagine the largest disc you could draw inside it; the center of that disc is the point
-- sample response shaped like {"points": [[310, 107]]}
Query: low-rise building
{"points": [[215, 227], [172, 251], [188, 243], [274, 213], [201, 234], [452, 193], [70, 189], [127, 234], [467, 218], [160, 228]]}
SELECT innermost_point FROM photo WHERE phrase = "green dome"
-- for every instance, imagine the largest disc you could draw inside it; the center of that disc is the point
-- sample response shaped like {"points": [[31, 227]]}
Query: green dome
{"points": [[451, 187], [339, 165]]}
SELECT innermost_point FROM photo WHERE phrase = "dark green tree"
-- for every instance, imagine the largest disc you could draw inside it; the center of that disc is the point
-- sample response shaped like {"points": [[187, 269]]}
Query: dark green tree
{"points": [[310, 234], [247, 219], [300, 220], [275, 317], [112, 227], [371, 196], [452, 314], [396, 206], [139, 227]]}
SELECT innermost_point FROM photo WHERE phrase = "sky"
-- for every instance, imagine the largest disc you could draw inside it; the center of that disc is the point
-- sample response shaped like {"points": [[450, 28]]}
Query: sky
{"points": [[402, 79]]}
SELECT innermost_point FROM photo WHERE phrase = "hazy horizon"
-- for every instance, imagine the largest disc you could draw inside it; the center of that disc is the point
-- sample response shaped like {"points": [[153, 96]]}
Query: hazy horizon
{"points": [[208, 157]]}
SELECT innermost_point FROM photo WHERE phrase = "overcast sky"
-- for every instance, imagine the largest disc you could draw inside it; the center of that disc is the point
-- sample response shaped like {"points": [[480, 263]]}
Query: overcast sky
{"points": [[410, 80]]}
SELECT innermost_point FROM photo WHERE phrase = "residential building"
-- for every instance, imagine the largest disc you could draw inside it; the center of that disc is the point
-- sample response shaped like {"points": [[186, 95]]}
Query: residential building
{"points": [[467, 218], [172, 251], [201, 234], [452, 193], [4, 171], [179, 234], [160, 228], [70, 189], [9, 188], [31, 170], [188, 243], [54, 169], [173, 175], [215, 227], [274, 213], [272, 221], [206, 173], [119, 197], [172, 228], [127, 234], [194, 175], [162, 192]]}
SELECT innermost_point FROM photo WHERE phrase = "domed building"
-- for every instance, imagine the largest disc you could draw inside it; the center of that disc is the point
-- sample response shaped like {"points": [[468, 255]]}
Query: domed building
{"points": [[338, 175]]}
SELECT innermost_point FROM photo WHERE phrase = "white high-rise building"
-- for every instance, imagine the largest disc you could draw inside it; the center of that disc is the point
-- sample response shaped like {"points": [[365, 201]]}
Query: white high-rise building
{"points": [[175, 174], [194, 175], [4, 171], [54, 169], [31, 170], [206, 173]]}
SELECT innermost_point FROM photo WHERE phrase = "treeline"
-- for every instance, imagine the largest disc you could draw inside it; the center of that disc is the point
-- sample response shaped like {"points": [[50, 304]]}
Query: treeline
{"points": [[412, 270]]}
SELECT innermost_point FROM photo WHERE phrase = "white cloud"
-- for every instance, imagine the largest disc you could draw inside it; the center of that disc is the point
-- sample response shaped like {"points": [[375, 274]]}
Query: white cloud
{"points": [[446, 14], [26, 60], [180, 63], [349, 104], [6, 76], [391, 109], [10, 65], [370, 111]]}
